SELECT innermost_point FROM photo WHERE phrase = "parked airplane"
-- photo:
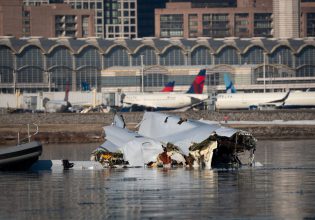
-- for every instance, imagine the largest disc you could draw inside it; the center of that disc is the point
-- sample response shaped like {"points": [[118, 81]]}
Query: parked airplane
{"points": [[170, 101], [57, 105], [169, 87], [229, 84], [265, 101]]}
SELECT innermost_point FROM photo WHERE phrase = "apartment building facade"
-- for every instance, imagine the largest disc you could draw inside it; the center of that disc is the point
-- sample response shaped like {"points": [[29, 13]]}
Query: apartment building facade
{"points": [[61, 21], [238, 18], [97, 6], [185, 19], [11, 17], [113, 18]]}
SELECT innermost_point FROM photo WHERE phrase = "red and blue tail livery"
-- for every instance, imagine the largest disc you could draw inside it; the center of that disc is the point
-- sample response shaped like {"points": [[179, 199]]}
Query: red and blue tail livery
{"points": [[198, 83], [169, 87]]}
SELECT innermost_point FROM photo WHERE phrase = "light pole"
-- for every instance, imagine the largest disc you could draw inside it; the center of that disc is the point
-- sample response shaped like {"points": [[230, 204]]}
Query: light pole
{"points": [[14, 80], [142, 73], [264, 72], [49, 81]]}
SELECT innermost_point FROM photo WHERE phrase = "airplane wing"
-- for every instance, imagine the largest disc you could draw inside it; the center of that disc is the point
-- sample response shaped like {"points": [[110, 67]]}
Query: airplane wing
{"points": [[281, 100], [141, 104], [275, 103], [195, 101]]}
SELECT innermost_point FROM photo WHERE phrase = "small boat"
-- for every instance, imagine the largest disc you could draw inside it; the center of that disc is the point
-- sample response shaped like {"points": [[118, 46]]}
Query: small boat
{"points": [[21, 156]]}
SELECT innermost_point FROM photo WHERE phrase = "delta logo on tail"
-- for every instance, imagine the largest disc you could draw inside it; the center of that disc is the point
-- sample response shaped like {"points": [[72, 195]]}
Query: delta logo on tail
{"points": [[198, 83], [229, 84], [169, 87]]}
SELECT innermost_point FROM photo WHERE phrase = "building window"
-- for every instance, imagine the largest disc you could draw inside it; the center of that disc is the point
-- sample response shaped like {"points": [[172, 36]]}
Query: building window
{"points": [[310, 22], [306, 56], [149, 57], [215, 25], [85, 26], [118, 56], [172, 25], [262, 24], [281, 56], [228, 55], [255, 55], [241, 26], [193, 25], [201, 56], [174, 56]]}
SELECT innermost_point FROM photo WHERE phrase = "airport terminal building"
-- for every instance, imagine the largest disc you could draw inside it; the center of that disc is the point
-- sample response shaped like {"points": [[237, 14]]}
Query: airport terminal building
{"points": [[121, 65]]}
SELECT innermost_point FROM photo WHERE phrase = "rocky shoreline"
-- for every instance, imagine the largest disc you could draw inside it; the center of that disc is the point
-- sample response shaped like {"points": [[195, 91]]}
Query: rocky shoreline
{"points": [[79, 128]]}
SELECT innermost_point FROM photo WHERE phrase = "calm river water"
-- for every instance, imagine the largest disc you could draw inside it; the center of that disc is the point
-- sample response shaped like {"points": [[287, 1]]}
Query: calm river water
{"points": [[284, 188]]}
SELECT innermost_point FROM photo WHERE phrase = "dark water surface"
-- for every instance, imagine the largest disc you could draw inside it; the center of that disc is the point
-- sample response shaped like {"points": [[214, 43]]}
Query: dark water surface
{"points": [[284, 188]]}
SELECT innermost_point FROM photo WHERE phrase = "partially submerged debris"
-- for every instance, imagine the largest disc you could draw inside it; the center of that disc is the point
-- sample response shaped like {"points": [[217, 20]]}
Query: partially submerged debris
{"points": [[108, 159], [167, 140]]}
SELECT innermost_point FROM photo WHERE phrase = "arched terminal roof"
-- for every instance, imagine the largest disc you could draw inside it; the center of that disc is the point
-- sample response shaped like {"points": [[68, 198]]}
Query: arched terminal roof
{"points": [[160, 45]]}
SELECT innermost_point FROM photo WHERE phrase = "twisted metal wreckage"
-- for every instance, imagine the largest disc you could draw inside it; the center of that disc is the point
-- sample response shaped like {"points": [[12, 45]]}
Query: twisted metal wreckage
{"points": [[167, 140]]}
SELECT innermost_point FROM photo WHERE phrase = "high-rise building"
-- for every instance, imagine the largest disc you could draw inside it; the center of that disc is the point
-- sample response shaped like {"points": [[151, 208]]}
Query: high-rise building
{"points": [[93, 5], [286, 18], [61, 19], [113, 18], [236, 18], [121, 18], [247, 18]]}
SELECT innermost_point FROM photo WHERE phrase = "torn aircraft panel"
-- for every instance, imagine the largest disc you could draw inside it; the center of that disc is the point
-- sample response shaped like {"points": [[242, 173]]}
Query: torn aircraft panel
{"points": [[168, 140]]}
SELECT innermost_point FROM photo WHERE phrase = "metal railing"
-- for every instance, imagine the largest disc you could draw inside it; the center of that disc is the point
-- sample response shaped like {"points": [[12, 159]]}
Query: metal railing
{"points": [[28, 138]]}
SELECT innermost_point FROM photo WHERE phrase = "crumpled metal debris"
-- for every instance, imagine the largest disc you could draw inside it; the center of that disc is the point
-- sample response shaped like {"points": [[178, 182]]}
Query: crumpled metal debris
{"points": [[167, 140]]}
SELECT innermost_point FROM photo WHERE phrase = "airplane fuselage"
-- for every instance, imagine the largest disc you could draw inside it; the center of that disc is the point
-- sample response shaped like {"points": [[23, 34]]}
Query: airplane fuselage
{"points": [[246, 100], [164, 100]]}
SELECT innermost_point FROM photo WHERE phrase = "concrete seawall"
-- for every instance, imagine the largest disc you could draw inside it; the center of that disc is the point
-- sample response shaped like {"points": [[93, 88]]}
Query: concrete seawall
{"points": [[71, 127]]}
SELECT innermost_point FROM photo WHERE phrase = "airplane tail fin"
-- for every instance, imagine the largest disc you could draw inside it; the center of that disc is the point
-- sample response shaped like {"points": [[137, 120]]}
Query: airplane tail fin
{"points": [[67, 92], [169, 87], [229, 84], [197, 85]]}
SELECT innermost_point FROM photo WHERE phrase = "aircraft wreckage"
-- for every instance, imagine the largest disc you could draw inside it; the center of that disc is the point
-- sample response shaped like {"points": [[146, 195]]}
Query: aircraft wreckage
{"points": [[167, 140]]}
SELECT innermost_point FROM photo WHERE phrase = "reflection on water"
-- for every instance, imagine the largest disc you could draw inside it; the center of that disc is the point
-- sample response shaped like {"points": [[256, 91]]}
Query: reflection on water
{"points": [[283, 189]]}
